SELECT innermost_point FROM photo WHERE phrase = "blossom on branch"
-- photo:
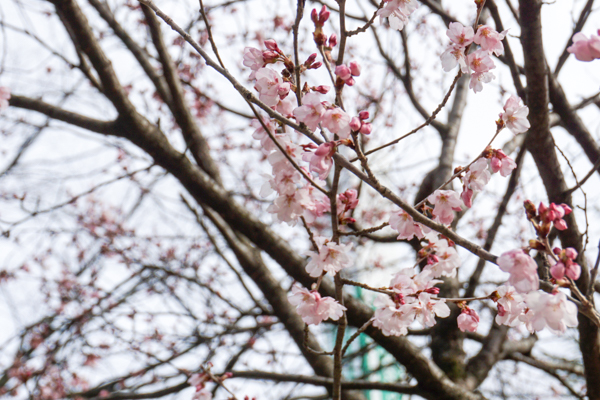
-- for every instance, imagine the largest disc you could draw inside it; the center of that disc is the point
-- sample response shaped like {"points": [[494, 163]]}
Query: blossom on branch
{"points": [[566, 264], [522, 269], [490, 40], [585, 49], [515, 115], [468, 320], [397, 12], [549, 310], [313, 308], [331, 257], [445, 203], [406, 227]]}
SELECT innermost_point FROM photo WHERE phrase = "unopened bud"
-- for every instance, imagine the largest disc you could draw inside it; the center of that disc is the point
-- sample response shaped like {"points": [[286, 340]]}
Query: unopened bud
{"points": [[366, 128], [316, 65], [433, 290], [355, 124], [530, 209], [343, 72], [270, 56], [363, 115], [349, 82], [324, 15], [333, 40], [323, 89], [314, 16], [311, 59], [272, 45], [354, 68]]}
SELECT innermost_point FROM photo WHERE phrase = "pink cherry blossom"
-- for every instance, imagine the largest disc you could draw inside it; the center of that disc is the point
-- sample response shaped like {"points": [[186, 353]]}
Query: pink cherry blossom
{"points": [[459, 34], [480, 61], [468, 320], [397, 12], [490, 40], [393, 319], [549, 310], [4, 97], [453, 56], [478, 175], [503, 163], [585, 49], [445, 203], [478, 79], [427, 308], [315, 203], [337, 121], [311, 110], [510, 306], [566, 264], [515, 115], [288, 207], [446, 261], [347, 201], [260, 134], [313, 308], [331, 257], [343, 72], [270, 86], [522, 269], [403, 282], [253, 59], [321, 161], [406, 227]]}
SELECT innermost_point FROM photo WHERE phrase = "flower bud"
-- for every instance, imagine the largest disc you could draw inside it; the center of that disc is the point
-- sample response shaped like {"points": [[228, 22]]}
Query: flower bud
{"points": [[323, 89], [324, 15], [311, 59], [363, 115], [316, 65], [332, 40], [433, 290], [272, 45], [366, 128], [354, 68], [314, 16], [343, 72], [270, 56], [350, 82], [355, 124], [530, 209]]}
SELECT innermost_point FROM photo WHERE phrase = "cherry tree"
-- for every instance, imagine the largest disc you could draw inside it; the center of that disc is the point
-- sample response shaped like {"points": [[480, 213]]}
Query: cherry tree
{"points": [[249, 199]]}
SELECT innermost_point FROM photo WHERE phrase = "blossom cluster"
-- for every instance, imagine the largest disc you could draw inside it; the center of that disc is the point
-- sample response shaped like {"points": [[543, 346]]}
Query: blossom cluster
{"points": [[397, 12], [478, 63]]}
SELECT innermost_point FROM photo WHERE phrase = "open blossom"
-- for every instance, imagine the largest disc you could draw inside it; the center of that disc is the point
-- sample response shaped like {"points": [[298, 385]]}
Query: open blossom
{"points": [[337, 121], [468, 320], [549, 310], [311, 111], [321, 161], [446, 260], [522, 269], [270, 86], [555, 213], [313, 308], [502, 163], [515, 115], [397, 12], [393, 318], [510, 305], [474, 180], [480, 61], [585, 49], [453, 56], [331, 257], [459, 34], [566, 264], [478, 79], [4, 97], [427, 308], [490, 40], [288, 207], [445, 203], [406, 227]]}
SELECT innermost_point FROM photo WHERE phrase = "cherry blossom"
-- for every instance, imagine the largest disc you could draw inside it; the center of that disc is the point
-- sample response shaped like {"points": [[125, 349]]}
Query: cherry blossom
{"points": [[478, 79], [253, 59], [397, 12], [566, 264], [260, 134], [555, 213], [321, 161], [270, 86], [428, 308], [549, 310], [515, 115], [337, 121], [475, 179], [313, 308], [445, 203], [453, 56], [4, 97], [446, 259], [406, 227], [468, 320], [502, 163], [288, 208], [490, 40], [331, 257], [346, 201], [522, 269], [510, 305], [480, 61], [585, 49], [311, 111], [459, 34], [393, 319]]}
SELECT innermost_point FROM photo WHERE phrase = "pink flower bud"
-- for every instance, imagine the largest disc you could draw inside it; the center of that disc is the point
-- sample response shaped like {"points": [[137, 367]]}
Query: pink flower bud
{"points": [[316, 65], [433, 290], [324, 15], [270, 56], [333, 40], [366, 128], [311, 59], [363, 115], [314, 16], [271, 44], [343, 72], [355, 124], [283, 89], [349, 82], [323, 89], [354, 68], [571, 253]]}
